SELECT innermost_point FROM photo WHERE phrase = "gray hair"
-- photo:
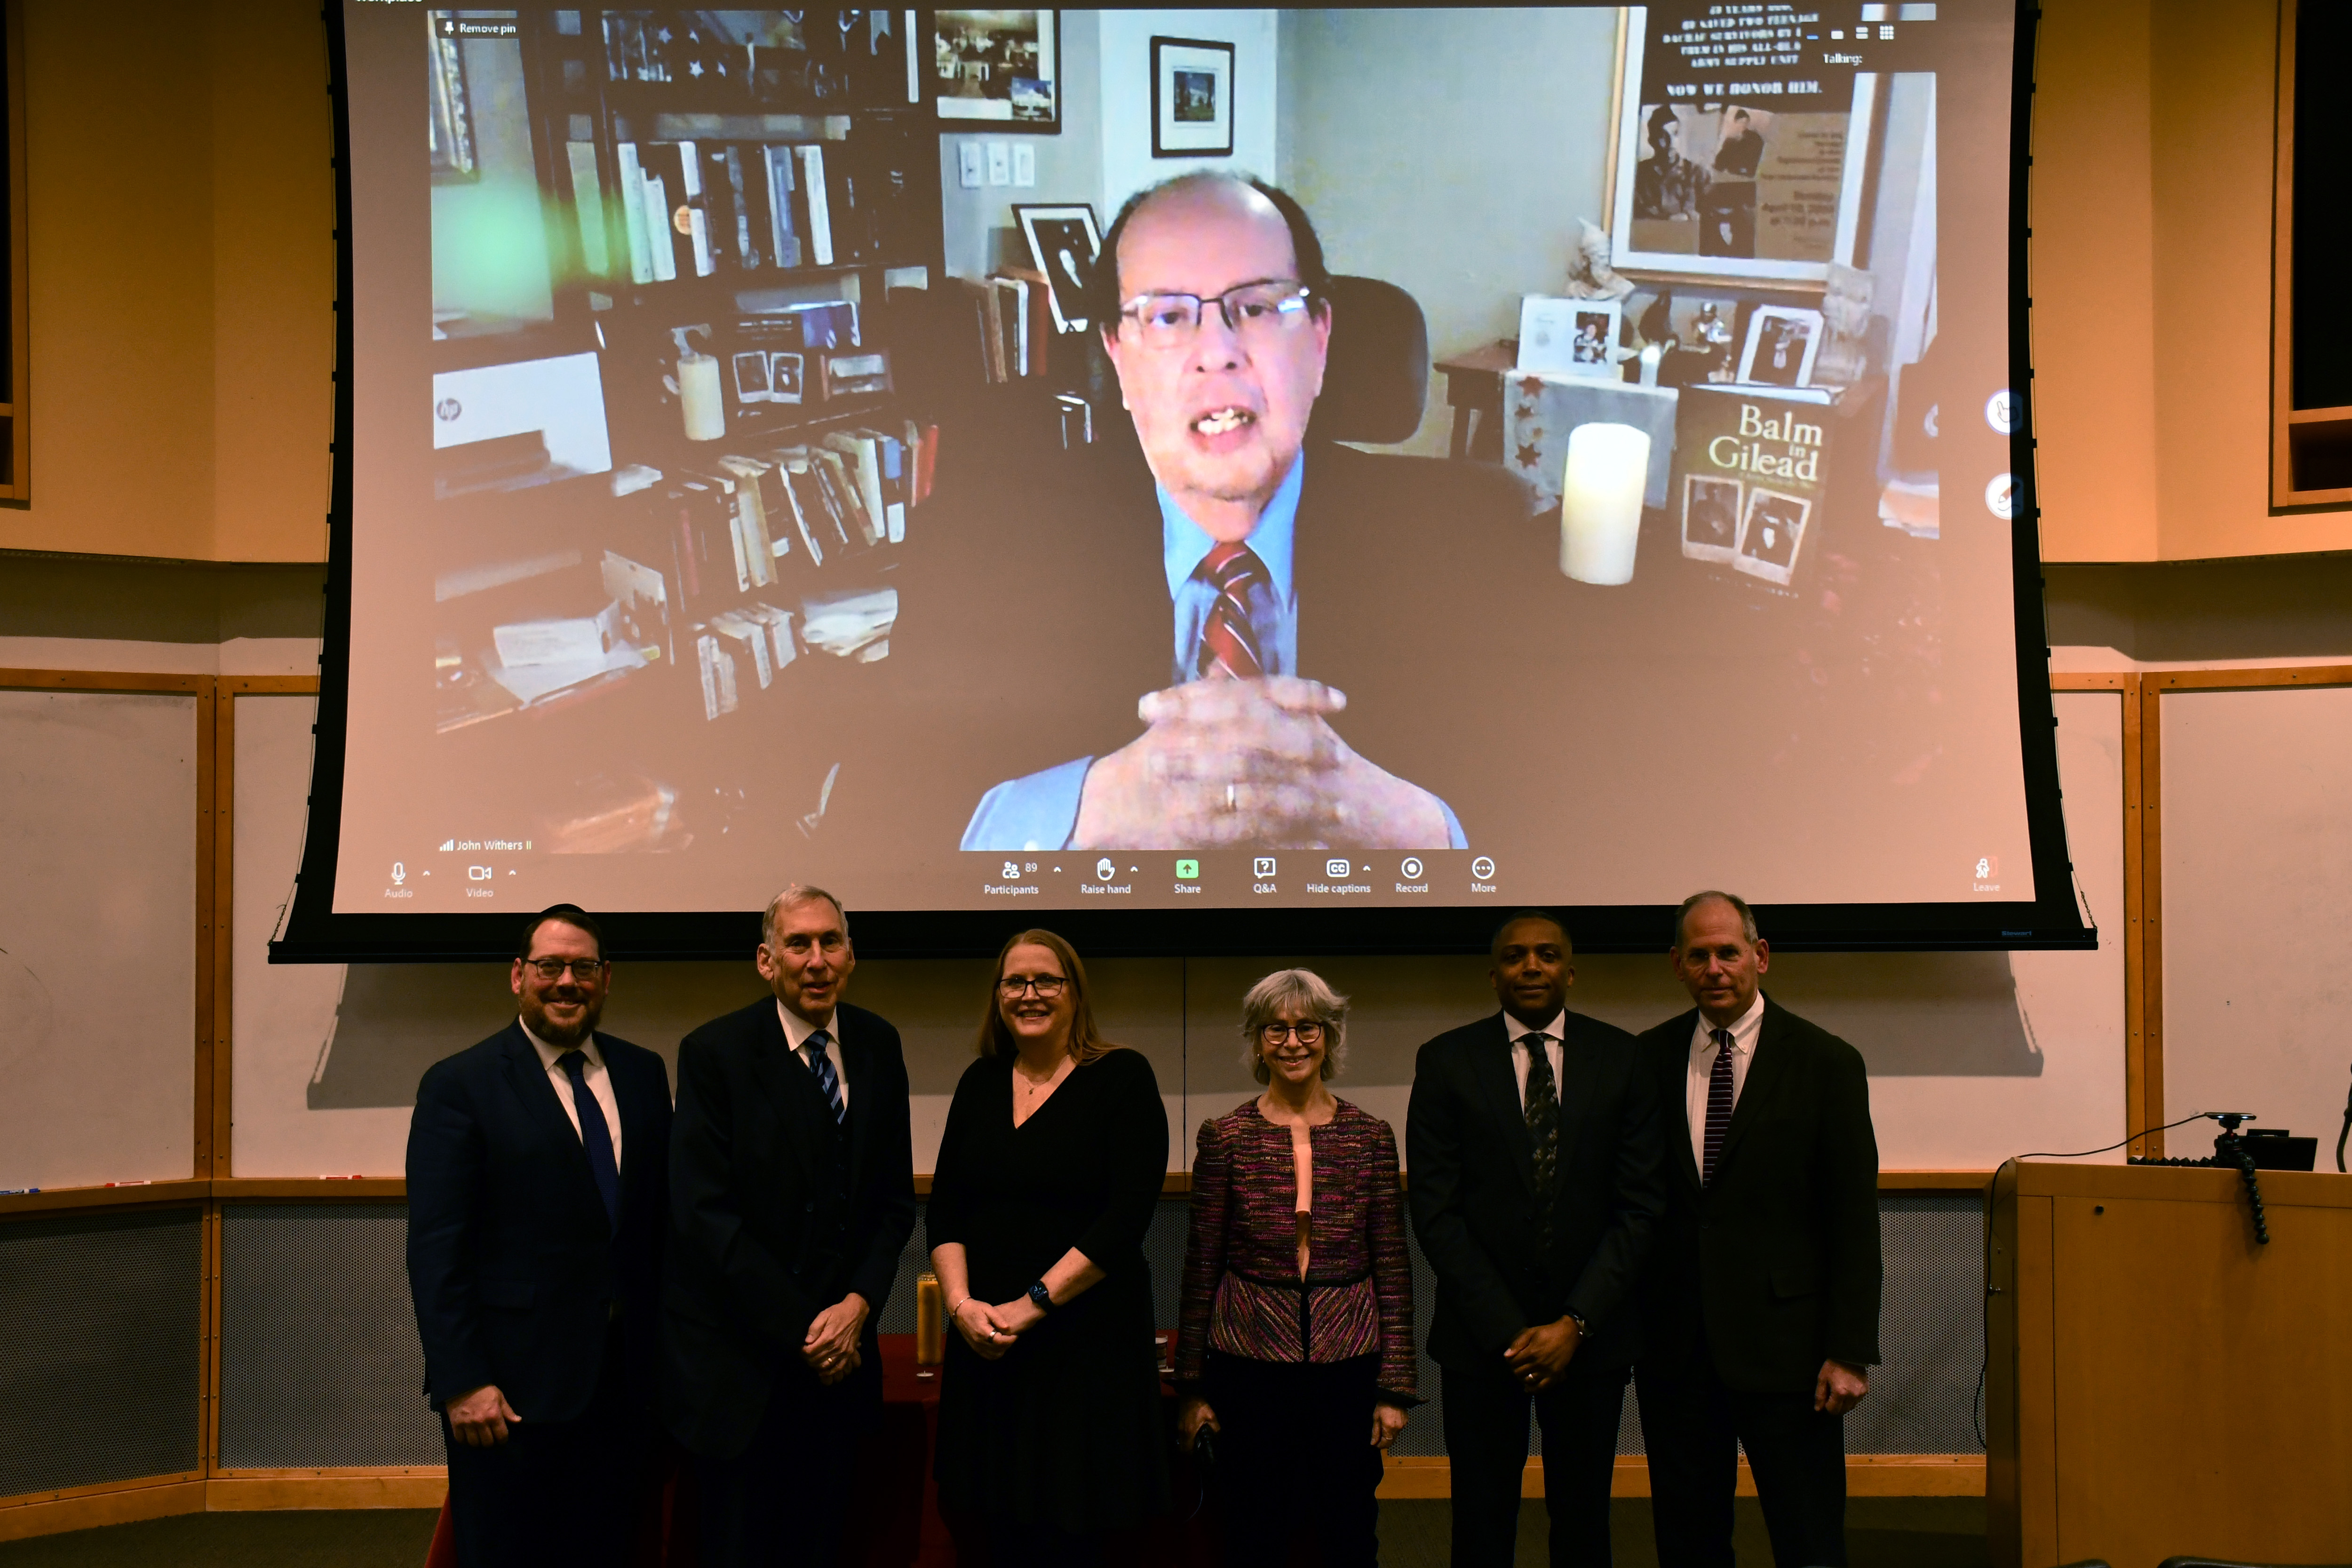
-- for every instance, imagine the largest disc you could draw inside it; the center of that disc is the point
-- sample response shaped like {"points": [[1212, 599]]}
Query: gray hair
{"points": [[1739, 905], [796, 894], [1295, 990]]}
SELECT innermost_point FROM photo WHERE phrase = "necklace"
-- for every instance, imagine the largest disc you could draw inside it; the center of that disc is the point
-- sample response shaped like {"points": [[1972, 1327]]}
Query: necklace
{"points": [[1037, 1085]]}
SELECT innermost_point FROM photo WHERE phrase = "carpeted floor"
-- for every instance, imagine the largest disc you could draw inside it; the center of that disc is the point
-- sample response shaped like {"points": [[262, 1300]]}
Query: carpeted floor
{"points": [[1883, 1533]]}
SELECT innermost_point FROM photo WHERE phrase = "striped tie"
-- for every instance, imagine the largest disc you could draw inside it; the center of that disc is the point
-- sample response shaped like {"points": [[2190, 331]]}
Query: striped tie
{"points": [[828, 1082], [1229, 642], [1718, 1105]]}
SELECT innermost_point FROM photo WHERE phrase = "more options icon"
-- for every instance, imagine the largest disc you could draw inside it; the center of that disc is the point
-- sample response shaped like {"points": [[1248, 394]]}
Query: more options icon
{"points": [[1483, 867]]}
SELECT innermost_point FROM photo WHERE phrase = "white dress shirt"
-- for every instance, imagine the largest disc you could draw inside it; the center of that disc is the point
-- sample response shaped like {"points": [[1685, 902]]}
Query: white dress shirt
{"points": [[1702, 1068], [1558, 1031], [797, 1030], [600, 1084]]}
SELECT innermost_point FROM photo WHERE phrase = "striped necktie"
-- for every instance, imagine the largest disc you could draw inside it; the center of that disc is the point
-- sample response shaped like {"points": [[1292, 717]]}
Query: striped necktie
{"points": [[828, 1082], [1229, 648], [1718, 1105]]}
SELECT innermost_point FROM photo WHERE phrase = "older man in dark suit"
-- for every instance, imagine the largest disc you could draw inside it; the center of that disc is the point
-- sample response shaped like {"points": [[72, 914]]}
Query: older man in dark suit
{"points": [[1762, 1301], [792, 1194], [537, 1174], [1533, 1148]]}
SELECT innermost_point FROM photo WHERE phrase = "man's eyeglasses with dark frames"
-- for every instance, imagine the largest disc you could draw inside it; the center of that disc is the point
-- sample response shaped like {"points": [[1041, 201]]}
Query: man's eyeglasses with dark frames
{"points": [[583, 969]]}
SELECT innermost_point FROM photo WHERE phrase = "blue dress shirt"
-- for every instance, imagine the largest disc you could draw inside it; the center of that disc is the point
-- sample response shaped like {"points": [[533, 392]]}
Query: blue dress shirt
{"points": [[1040, 810]]}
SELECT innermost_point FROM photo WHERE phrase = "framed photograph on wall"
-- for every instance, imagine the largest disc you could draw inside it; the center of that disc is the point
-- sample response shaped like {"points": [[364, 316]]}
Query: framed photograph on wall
{"points": [[1782, 343], [1001, 68], [1063, 245], [1192, 99], [1729, 188]]}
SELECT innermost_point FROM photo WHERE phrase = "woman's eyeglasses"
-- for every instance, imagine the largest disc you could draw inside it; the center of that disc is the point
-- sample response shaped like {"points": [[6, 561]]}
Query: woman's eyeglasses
{"points": [[1047, 986], [1307, 1033]]}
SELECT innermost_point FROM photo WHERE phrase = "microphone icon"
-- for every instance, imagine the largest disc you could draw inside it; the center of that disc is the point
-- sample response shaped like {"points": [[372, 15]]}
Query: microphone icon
{"points": [[399, 873]]}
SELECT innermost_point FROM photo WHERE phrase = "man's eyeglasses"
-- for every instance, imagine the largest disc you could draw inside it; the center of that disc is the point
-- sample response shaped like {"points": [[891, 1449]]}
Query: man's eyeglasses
{"points": [[582, 969], [1306, 1034], [1047, 986], [1253, 312]]}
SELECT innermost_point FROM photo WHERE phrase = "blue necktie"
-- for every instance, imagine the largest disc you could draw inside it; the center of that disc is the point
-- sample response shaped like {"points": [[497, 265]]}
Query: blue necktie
{"points": [[827, 1081], [594, 1136]]}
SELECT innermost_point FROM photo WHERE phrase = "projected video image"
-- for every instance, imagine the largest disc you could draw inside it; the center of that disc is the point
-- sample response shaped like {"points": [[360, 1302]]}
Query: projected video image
{"points": [[1567, 529]]}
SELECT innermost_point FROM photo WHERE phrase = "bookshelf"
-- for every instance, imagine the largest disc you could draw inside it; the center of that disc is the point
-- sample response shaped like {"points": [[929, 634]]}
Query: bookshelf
{"points": [[740, 230]]}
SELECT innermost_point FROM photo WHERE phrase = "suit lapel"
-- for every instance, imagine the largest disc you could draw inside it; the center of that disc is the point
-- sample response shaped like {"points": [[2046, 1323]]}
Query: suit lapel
{"points": [[1764, 1076], [790, 1089], [1674, 1090], [1490, 1065], [1573, 1087], [527, 1077], [856, 1063]]}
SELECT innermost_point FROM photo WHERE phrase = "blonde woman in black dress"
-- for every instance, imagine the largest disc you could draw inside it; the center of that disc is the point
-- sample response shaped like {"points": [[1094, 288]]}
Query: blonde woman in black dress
{"points": [[1047, 1177]]}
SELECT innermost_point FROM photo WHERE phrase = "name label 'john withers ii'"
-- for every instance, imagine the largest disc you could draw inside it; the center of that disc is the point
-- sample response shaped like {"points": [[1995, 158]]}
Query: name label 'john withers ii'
{"points": [[1749, 449]]}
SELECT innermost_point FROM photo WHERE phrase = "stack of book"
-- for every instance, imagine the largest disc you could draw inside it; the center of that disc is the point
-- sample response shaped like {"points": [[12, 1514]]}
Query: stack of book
{"points": [[755, 528], [1012, 322]]}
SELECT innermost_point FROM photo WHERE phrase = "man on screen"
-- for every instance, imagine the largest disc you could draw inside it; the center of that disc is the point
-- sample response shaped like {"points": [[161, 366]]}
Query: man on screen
{"points": [[1761, 1308], [1247, 590], [538, 1173]]}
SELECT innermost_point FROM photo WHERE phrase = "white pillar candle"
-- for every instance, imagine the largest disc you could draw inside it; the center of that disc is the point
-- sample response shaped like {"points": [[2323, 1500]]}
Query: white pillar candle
{"points": [[1601, 501], [699, 395]]}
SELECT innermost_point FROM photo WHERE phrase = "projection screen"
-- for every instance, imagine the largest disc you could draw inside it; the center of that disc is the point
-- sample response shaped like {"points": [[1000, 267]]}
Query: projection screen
{"points": [[1526, 457]]}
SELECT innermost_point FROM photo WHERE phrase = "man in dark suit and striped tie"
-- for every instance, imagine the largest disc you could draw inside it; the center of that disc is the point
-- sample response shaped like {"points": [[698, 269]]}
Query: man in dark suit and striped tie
{"points": [[1763, 1300], [1533, 1157], [792, 1194], [538, 1168]]}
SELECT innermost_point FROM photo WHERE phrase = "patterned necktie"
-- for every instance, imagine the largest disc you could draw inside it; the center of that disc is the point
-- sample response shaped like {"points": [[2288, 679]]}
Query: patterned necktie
{"points": [[1229, 648], [827, 1081], [595, 1135], [1543, 1115], [1718, 1105]]}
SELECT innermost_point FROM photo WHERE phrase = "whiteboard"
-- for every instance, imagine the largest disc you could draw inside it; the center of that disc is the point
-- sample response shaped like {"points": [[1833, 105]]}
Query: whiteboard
{"points": [[98, 937], [2257, 864], [1974, 1057]]}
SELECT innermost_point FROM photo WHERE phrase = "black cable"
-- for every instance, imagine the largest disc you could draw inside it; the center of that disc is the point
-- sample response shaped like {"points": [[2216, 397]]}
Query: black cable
{"points": [[2346, 1133], [2083, 1154]]}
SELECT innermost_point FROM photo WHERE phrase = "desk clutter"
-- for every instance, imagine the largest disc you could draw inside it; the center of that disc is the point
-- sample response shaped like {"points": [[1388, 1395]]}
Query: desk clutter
{"points": [[1747, 422]]}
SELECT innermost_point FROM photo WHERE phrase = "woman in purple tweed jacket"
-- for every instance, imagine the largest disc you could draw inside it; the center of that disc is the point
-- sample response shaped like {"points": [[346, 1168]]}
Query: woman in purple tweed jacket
{"points": [[1296, 1338]]}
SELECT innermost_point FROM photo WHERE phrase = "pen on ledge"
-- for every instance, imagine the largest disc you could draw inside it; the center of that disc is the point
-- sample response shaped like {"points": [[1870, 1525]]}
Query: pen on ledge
{"points": [[16, 1192], [142, 1181]]}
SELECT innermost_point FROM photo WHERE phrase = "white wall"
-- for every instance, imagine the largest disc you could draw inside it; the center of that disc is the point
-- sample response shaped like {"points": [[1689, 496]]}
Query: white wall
{"points": [[1127, 166], [1466, 211], [2257, 856], [98, 910]]}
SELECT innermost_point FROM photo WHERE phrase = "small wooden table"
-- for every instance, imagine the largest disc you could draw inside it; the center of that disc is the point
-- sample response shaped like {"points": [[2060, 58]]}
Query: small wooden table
{"points": [[1473, 390]]}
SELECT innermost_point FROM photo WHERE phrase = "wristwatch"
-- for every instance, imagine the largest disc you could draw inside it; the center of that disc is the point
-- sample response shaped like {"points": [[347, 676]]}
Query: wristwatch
{"points": [[1583, 1328], [1042, 1297]]}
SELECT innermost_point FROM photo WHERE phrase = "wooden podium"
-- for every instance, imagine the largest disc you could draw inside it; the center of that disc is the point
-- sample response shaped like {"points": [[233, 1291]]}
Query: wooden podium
{"points": [[2157, 1382]]}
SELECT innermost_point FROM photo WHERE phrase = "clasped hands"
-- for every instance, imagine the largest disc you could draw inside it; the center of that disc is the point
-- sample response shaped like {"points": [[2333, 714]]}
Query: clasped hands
{"points": [[830, 1348], [1233, 762], [1539, 1355], [992, 1331]]}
